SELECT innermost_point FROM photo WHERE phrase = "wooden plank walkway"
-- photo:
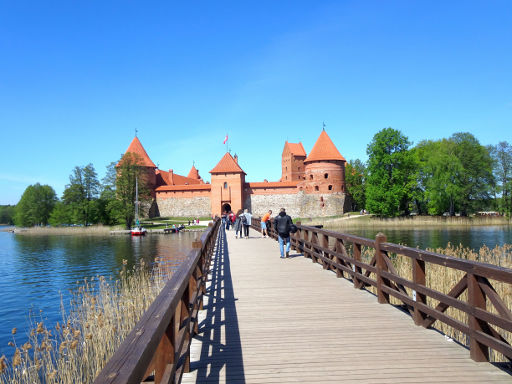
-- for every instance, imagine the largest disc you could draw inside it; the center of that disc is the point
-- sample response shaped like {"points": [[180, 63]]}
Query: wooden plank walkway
{"points": [[269, 320]]}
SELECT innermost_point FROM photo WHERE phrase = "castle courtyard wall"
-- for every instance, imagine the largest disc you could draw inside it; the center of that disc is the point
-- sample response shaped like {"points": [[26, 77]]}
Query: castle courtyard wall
{"points": [[199, 206], [297, 204]]}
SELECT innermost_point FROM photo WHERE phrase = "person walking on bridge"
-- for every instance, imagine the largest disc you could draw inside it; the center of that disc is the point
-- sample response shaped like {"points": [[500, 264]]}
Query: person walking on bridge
{"points": [[265, 220], [247, 222], [283, 224]]}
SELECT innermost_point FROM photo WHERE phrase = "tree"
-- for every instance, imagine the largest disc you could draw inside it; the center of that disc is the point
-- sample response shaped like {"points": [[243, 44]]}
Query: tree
{"points": [[107, 203], [390, 178], [35, 205], [61, 214], [7, 214], [439, 175], [81, 194], [476, 177], [355, 175], [502, 166], [129, 170]]}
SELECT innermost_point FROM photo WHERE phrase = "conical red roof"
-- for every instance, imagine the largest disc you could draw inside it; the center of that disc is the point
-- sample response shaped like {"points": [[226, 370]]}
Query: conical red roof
{"points": [[227, 165], [137, 148], [324, 149], [194, 173]]}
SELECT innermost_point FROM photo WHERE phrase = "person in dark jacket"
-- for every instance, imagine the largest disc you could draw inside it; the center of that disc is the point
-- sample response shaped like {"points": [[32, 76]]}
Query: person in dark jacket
{"points": [[282, 224]]}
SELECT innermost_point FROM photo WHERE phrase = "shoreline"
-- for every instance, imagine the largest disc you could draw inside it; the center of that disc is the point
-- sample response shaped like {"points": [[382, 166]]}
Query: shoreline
{"points": [[81, 231], [370, 221]]}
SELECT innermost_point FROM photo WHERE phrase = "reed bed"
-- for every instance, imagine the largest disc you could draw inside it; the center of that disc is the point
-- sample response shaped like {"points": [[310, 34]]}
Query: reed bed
{"points": [[443, 279], [369, 221], [99, 230], [102, 313]]}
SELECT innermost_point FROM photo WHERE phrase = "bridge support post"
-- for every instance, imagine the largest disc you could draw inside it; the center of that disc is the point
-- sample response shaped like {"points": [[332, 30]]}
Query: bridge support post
{"points": [[418, 276], [382, 297], [476, 298]]}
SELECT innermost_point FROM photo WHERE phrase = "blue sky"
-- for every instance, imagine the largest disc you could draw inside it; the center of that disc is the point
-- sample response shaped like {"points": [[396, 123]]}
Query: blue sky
{"points": [[77, 78]]}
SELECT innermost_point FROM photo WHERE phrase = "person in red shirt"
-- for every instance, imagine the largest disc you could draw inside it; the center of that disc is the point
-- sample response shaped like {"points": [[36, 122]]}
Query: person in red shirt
{"points": [[264, 221]]}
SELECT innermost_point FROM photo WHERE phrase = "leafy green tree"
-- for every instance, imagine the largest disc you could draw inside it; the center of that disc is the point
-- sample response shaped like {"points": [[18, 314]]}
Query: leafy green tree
{"points": [[355, 180], [81, 194], [502, 166], [35, 205], [129, 169], [61, 214], [107, 206], [440, 175], [476, 178], [7, 214], [391, 171]]}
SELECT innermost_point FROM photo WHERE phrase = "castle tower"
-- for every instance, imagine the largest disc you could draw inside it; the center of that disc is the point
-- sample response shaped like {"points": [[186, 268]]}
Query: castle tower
{"points": [[227, 185], [293, 162], [136, 148], [324, 168], [194, 174]]}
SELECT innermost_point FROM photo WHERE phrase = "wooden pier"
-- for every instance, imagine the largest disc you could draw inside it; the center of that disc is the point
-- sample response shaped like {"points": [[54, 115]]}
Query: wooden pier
{"points": [[269, 320], [235, 312]]}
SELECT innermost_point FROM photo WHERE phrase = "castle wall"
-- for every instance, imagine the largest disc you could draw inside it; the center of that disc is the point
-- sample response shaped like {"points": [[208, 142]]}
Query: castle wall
{"points": [[298, 204], [184, 206]]}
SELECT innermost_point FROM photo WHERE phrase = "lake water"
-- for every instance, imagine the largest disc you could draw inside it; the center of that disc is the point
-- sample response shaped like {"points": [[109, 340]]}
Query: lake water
{"points": [[434, 237], [36, 270]]}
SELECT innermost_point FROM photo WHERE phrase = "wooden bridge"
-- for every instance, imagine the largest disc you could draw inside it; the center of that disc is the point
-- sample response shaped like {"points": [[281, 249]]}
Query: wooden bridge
{"points": [[271, 320]]}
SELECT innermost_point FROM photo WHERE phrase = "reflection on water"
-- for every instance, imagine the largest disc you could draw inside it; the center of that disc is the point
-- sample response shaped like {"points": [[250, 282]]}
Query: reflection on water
{"points": [[36, 270], [435, 237]]}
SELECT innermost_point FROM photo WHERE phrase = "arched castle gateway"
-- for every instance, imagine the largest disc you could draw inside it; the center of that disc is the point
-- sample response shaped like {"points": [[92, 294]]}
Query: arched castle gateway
{"points": [[310, 186]]}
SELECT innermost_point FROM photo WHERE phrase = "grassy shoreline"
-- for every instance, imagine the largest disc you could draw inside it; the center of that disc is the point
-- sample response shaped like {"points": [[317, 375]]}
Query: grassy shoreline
{"points": [[370, 221]]}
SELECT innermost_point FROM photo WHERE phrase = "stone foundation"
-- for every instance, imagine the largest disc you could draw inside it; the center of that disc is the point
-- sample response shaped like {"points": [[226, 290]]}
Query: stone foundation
{"points": [[193, 206], [298, 204]]}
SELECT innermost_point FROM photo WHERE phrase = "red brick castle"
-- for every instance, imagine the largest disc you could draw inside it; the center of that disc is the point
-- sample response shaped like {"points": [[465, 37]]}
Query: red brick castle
{"points": [[310, 186]]}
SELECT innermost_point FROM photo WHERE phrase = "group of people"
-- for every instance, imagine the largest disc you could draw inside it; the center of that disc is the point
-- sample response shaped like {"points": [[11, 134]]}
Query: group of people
{"points": [[240, 222], [282, 222]]}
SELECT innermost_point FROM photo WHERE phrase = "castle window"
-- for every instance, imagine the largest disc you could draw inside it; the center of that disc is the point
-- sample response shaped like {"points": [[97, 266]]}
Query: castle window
{"points": [[326, 175], [316, 188], [225, 185], [330, 187], [310, 177]]}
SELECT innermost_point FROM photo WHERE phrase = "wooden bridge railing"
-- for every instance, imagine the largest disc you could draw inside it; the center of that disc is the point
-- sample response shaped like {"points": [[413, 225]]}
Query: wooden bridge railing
{"points": [[159, 344], [341, 253]]}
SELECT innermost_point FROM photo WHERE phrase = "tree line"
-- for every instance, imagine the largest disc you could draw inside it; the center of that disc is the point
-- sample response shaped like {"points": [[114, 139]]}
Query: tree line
{"points": [[86, 200], [435, 177]]}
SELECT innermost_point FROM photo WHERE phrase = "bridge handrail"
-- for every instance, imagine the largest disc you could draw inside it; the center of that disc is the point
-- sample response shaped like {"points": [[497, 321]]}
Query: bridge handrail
{"points": [[341, 253], [159, 344]]}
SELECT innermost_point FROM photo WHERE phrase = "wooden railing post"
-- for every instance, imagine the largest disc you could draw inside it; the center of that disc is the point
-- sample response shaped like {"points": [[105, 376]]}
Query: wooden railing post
{"points": [[307, 253], [476, 298], [418, 277], [295, 238], [356, 254], [382, 296], [325, 244], [197, 244]]}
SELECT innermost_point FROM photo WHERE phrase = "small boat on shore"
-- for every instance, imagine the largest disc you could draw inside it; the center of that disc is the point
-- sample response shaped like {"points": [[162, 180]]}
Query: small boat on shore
{"points": [[138, 230]]}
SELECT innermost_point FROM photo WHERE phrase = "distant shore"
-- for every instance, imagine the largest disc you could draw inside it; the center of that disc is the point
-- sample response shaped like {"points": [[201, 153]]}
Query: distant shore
{"points": [[369, 221], [94, 230]]}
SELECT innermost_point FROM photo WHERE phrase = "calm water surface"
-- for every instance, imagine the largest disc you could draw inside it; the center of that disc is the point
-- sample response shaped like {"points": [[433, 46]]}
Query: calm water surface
{"points": [[434, 237], [36, 270]]}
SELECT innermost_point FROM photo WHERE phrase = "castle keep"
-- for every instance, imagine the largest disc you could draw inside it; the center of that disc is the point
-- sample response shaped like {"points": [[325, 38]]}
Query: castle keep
{"points": [[310, 186]]}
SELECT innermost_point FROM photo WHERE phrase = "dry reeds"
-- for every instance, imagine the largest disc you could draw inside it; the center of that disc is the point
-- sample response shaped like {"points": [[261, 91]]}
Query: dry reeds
{"points": [[369, 221], [103, 311], [99, 230], [442, 279]]}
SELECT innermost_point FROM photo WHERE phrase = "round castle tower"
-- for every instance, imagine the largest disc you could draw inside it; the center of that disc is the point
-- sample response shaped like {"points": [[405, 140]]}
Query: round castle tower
{"points": [[324, 170]]}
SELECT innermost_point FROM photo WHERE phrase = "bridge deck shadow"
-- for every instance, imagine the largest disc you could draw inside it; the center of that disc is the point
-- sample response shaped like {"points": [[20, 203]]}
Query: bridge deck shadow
{"points": [[216, 351]]}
